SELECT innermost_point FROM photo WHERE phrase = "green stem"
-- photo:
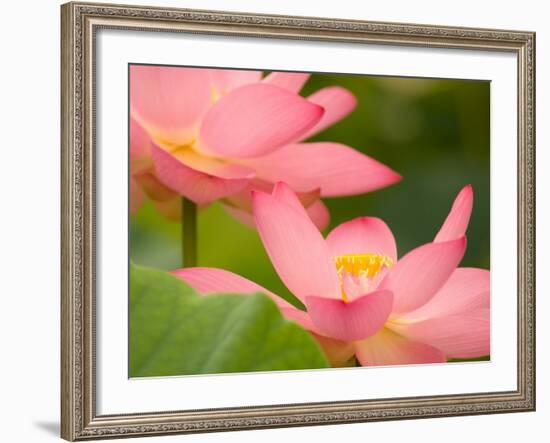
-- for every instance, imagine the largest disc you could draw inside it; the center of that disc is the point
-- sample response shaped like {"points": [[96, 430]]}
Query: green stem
{"points": [[189, 233]]}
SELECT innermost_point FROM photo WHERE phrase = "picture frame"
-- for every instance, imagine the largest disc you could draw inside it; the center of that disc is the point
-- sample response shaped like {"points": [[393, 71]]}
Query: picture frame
{"points": [[81, 22]]}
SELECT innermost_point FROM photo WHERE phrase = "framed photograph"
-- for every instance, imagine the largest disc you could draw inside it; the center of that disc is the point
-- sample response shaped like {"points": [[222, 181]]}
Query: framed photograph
{"points": [[277, 221]]}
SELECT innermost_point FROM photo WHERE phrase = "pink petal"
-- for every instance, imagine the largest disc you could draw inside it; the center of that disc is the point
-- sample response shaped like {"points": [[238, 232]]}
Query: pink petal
{"points": [[239, 205], [170, 209], [291, 81], [296, 248], [225, 80], [136, 196], [169, 101], [337, 102], [154, 189], [362, 235], [284, 194], [388, 348], [212, 166], [338, 352], [254, 120], [307, 203], [213, 280], [458, 336], [354, 288], [319, 214], [336, 169], [466, 290], [140, 143], [457, 221], [355, 320], [200, 187], [416, 277], [243, 199]]}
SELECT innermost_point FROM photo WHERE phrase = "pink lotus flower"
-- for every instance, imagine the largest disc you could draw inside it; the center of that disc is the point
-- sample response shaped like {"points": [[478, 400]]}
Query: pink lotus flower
{"points": [[361, 299], [143, 180], [218, 134]]}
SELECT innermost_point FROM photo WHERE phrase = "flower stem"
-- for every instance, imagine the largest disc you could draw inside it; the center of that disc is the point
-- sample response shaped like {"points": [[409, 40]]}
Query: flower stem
{"points": [[189, 233]]}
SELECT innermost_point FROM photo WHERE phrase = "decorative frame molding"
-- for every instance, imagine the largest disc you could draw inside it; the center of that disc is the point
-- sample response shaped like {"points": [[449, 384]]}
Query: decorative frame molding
{"points": [[79, 22]]}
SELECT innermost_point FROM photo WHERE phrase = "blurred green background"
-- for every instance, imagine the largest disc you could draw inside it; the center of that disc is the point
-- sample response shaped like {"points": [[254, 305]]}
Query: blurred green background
{"points": [[434, 132]]}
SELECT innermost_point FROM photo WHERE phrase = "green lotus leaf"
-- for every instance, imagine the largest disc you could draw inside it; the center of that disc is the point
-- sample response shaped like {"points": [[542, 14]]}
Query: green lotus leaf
{"points": [[175, 331]]}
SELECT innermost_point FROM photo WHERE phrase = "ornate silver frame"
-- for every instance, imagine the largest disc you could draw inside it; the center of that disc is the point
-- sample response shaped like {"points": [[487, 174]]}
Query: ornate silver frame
{"points": [[80, 21]]}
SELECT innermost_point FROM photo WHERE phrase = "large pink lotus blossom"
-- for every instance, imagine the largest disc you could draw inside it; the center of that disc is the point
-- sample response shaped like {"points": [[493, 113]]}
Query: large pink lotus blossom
{"points": [[214, 134], [360, 298]]}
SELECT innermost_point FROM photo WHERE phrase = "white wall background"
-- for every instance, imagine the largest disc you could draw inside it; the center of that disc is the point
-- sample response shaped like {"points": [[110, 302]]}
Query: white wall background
{"points": [[29, 223]]}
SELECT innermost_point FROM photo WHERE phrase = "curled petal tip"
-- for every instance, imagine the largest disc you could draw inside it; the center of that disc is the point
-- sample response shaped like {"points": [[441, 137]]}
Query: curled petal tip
{"points": [[470, 190], [458, 218], [393, 177], [466, 192]]}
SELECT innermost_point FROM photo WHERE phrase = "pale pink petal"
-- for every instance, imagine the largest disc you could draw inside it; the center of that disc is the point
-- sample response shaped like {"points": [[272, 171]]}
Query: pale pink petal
{"points": [[362, 235], [136, 196], [284, 194], [388, 348], [308, 198], [169, 101], [213, 280], [337, 102], [291, 81], [254, 120], [140, 143], [212, 166], [200, 187], [171, 209], [458, 336], [307, 203], [339, 353], [417, 277], [457, 221], [240, 205], [225, 80], [466, 290], [336, 169], [243, 199], [356, 286], [154, 189], [296, 248], [319, 214], [355, 320]]}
